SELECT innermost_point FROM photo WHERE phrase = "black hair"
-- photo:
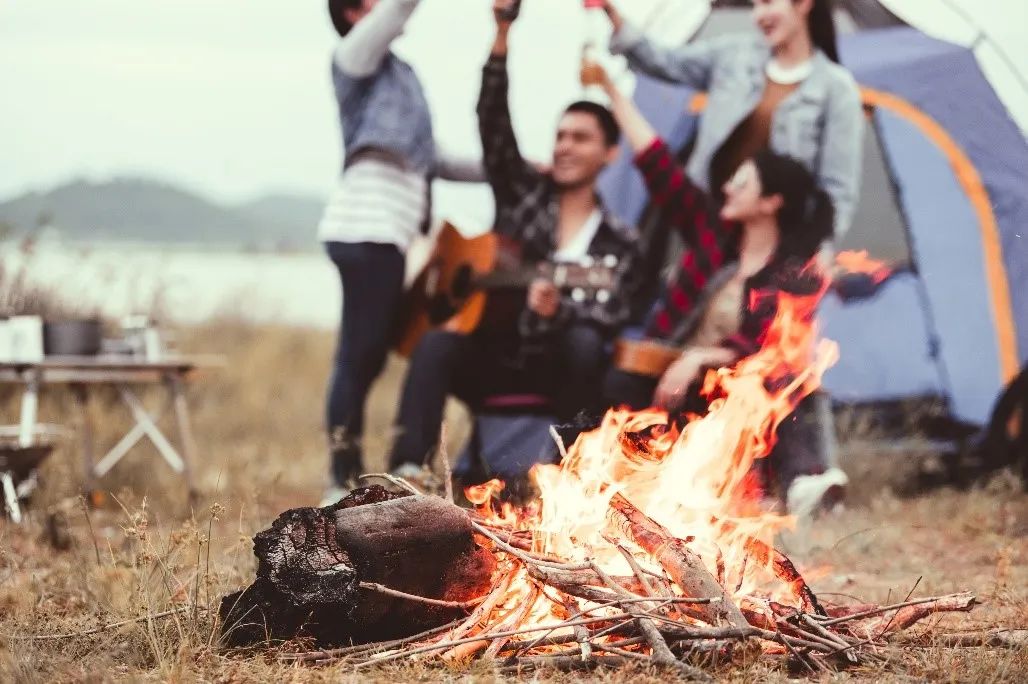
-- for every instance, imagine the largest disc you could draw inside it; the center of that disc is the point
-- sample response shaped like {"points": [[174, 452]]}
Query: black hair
{"points": [[337, 9], [806, 217], [821, 26], [603, 116]]}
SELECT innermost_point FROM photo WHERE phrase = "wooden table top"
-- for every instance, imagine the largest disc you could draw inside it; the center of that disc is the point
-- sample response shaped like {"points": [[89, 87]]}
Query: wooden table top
{"points": [[109, 368]]}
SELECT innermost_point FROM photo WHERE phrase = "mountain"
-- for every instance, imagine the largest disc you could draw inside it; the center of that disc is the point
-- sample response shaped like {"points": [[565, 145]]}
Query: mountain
{"points": [[142, 210]]}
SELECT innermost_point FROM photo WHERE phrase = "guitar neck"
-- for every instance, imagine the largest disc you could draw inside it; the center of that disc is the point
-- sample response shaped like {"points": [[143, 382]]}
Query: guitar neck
{"points": [[564, 276], [499, 280]]}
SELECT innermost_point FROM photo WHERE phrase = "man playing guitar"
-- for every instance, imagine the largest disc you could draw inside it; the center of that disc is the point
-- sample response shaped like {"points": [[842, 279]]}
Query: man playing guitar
{"points": [[558, 345]]}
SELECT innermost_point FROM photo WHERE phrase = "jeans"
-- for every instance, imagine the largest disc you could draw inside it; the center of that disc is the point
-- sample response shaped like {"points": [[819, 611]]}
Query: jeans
{"points": [[475, 367], [372, 279]]}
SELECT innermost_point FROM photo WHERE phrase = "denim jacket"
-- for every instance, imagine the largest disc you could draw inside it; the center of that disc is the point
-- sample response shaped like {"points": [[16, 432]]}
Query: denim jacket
{"points": [[821, 124], [386, 111]]}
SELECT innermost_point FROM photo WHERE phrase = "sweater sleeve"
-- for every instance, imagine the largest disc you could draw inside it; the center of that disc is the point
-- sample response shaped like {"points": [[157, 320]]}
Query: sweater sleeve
{"points": [[689, 209], [360, 53]]}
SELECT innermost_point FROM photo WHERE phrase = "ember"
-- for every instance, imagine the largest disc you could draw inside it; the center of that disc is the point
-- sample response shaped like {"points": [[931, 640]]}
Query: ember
{"points": [[650, 543]]}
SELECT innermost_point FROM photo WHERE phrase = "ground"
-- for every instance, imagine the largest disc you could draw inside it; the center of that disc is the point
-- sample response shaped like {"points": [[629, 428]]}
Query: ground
{"points": [[145, 551]]}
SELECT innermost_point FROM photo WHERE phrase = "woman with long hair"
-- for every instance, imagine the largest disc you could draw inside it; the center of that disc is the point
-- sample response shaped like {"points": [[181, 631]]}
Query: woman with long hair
{"points": [[783, 90], [762, 239]]}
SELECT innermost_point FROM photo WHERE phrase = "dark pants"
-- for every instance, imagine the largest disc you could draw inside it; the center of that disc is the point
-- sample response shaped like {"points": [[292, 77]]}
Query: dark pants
{"points": [[806, 440], [372, 281], [473, 368]]}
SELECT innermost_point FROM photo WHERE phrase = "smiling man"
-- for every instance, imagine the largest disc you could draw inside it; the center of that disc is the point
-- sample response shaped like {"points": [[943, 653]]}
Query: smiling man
{"points": [[559, 344]]}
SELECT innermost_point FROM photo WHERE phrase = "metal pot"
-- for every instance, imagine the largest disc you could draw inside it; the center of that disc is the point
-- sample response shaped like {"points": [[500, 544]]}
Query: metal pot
{"points": [[74, 337]]}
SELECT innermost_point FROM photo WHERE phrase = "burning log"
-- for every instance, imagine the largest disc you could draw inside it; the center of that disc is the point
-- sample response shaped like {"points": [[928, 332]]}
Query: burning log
{"points": [[374, 566], [685, 568]]}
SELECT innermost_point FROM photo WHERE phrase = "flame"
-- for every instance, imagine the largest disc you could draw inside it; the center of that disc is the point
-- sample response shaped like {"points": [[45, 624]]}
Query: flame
{"points": [[697, 481], [859, 262]]}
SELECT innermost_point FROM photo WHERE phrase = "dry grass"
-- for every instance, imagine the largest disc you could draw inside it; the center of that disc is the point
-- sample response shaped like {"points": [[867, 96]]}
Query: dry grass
{"points": [[258, 422]]}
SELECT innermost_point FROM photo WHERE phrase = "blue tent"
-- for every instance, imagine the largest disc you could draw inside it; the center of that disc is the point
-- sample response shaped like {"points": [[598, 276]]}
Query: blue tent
{"points": [[946, 179]]}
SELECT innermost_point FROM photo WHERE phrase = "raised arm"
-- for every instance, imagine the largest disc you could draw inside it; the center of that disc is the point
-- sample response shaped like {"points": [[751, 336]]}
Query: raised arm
{"points": [[690, 209], [506, 170], [690, 64], [360, 53]]}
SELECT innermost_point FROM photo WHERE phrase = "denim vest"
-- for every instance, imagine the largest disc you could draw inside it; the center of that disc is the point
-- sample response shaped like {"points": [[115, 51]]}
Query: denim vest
{"points": [[386, 111]]}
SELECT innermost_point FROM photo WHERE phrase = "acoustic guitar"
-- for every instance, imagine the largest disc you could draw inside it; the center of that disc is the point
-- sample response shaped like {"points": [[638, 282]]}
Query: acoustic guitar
{"points": [[452, 291], [644, 357]]}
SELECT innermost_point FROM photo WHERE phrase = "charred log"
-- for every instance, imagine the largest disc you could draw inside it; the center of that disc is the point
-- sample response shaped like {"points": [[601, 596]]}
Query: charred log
{"points": [[320, 571]]}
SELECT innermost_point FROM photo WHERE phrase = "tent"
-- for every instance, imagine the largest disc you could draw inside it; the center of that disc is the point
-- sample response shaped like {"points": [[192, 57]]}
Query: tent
{"points": [[945, 191]]}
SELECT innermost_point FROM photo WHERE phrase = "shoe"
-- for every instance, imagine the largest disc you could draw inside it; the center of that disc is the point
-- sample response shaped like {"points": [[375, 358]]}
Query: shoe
{"points": [[419, 476], [810, 494]]}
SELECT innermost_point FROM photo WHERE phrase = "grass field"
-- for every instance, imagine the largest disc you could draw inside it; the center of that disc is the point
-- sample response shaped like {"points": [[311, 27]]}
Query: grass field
{"points": [[146, 552]]}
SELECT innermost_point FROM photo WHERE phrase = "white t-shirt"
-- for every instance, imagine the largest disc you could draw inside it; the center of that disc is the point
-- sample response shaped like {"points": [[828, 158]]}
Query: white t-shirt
{"points": [[578, 248]]}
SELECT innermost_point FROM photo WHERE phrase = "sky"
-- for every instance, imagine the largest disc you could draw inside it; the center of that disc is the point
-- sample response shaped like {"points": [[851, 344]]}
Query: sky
{"points": [[233, 98]]}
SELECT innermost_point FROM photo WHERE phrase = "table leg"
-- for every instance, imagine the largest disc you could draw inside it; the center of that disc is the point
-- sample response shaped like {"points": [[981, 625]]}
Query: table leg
{"points": [[29, 411], [10, 497], [185, 430], [143, 427], [86, 443], [147, 424]]}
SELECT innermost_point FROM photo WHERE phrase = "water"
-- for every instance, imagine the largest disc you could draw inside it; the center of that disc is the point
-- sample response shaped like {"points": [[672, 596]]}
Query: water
{"points": [[186, 285]]}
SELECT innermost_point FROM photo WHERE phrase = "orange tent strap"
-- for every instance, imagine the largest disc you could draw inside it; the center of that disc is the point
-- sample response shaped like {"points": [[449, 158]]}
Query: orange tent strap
{"points": [[969, 179]]}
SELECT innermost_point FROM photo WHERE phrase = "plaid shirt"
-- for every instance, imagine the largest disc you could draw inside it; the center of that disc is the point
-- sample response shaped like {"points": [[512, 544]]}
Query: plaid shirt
{"points": [[713, 245], [528, 211]]}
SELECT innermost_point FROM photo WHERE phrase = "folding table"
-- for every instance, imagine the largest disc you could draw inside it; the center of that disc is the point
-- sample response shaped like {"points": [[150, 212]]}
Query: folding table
{"points": [[87, 373]]}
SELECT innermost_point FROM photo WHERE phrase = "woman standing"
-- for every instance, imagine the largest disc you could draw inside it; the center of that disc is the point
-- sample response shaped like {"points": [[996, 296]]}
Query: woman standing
{"points": [[782, 90], [377, 209]]}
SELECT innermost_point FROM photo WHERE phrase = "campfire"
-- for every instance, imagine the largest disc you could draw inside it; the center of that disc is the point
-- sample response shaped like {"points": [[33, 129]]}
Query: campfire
{"points": [[648, 542]]}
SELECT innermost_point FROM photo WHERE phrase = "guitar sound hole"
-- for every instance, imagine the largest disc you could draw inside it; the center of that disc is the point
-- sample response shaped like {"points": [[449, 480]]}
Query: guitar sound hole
{"points": [[440, 309], [462, 282]]}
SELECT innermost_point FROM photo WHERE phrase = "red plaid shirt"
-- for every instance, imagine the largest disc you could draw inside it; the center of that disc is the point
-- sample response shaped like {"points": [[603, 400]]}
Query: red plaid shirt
{"points": [[712, 244]]}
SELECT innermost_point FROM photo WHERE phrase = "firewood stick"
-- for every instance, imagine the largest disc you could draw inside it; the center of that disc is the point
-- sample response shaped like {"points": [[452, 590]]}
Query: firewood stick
{"points": [[631, 655], [896, 606], [516, 618], [581, 584], [908, 616], [382, 589], [685, 568], [662, 655], [445, 645], [527, 558], [837, 639], [676, 630], [335, 653], [484, 609], [661, 589], [782, 566], [827, 640]]}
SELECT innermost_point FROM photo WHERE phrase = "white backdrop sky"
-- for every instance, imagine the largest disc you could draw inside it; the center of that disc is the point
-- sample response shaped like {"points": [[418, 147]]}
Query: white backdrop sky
{"points": [[233, 97]]}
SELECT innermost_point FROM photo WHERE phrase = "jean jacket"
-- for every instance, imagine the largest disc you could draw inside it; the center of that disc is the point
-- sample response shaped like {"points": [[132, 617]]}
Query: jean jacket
{"points": [[821, 124]]}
